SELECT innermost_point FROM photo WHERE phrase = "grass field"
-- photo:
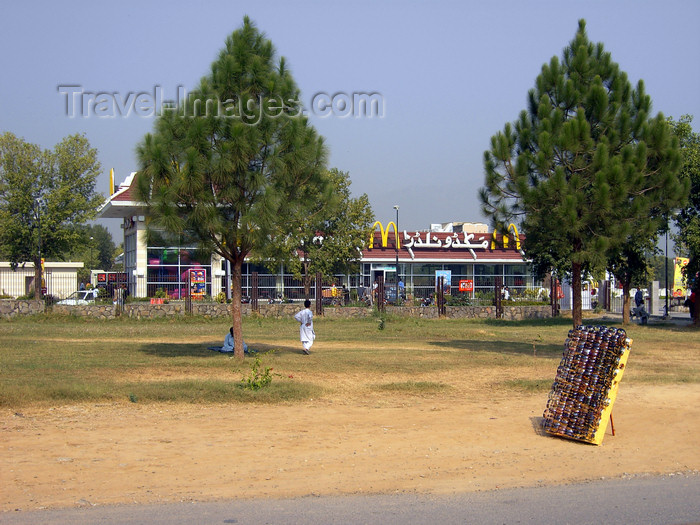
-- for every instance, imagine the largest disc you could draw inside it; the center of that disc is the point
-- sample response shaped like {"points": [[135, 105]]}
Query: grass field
{"points": [[48, 361]]}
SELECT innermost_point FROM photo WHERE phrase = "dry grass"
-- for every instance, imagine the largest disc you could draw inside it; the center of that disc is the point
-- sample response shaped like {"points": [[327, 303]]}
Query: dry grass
{"points": [[57, 361]]}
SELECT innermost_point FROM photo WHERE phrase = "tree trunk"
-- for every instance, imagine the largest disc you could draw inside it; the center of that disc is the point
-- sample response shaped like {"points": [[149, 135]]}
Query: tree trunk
{"points": [[307, 278], [576, 310], [307, 284], [626, 285], [37, 279], [236, 315]]}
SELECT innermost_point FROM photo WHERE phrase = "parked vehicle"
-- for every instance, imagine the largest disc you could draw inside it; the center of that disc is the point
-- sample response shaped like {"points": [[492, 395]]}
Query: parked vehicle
{"points": [[81, 297]]}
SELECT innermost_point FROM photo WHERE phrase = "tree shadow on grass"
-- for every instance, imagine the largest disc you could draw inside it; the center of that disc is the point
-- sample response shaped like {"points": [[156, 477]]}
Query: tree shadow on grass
{"points": [[202, 350], [610, 320], [546, 321], [504, 347], [666, 326]]}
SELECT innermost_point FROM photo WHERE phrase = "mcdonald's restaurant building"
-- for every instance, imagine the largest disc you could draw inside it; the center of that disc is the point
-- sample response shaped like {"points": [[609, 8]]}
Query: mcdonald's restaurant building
{"points": [[468, 257]]}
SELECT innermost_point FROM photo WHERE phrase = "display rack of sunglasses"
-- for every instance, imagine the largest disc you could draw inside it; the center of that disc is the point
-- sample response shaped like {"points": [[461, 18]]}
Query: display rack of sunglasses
{"points": [[584, 390]]}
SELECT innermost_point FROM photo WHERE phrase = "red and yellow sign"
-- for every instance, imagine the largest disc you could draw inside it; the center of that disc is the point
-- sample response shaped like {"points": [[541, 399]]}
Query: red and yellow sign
{"points": [[446, 241], [466, 285], [198, 283], [678, 277]]}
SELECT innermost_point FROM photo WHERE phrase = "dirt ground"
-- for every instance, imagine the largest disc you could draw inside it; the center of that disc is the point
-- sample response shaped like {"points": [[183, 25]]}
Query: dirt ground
{"points": [[129, 453]]}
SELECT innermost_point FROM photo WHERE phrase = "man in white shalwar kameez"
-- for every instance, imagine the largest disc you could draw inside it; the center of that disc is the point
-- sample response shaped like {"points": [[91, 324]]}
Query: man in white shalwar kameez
{"points": [[306, 327]]}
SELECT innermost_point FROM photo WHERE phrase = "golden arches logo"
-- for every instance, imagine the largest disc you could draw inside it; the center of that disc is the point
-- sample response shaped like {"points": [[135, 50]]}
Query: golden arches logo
{"points": [[516, 237], [385, 234]]}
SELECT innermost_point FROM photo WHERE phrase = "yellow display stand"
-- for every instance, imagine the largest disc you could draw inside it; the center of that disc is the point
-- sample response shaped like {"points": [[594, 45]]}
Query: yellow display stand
{"points": [[612, 395], [585, 388]]}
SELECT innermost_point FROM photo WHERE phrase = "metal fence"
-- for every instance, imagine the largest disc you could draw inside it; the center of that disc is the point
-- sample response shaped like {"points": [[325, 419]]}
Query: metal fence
{"points": [[21, 283], [276, 287]]}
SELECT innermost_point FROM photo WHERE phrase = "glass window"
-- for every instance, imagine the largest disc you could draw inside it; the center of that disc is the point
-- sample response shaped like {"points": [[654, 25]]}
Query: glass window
{"points": [[154, 256], [168, 267], [459, 269], [426, 269], [515, 269], [484, 281], [488, 269]]}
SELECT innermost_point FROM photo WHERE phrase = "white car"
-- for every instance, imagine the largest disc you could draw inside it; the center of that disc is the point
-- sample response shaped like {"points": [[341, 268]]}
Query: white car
{"points": [[81, 297]]}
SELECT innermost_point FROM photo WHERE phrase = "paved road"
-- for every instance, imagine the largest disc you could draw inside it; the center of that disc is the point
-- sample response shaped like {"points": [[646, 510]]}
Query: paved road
{"points": [[648, 500]]}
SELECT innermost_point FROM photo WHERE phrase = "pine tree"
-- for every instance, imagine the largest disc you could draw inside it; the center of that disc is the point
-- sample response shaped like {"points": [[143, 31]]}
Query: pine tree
{"points": [[585, 168], [235, 163]]}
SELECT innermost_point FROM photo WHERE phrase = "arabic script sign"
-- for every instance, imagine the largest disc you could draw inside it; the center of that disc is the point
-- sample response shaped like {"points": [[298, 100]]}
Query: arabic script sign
{"points": [[454, 241]]}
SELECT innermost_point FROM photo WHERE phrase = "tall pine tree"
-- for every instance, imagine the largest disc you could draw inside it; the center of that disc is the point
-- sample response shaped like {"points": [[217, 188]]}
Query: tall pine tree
{"points": [[584, 168], [235, 163]]}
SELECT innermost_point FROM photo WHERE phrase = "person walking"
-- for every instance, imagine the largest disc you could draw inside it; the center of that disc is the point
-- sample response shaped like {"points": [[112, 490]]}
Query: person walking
{"points": [[306, 327], [691, 304], [639, 309]]}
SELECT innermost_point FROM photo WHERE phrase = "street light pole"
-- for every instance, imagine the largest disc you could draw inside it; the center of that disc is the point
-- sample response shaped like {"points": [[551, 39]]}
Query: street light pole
{"points": [[37, 271], [666, 313], [90, 262], [396, 247]]}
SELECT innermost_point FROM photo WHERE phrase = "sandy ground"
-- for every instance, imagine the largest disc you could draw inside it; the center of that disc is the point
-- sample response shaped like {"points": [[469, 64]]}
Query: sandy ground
{"points": [[126, 453]]}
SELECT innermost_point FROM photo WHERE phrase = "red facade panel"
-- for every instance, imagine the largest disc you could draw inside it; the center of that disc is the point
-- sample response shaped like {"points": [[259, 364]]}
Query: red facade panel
{"points": [[433, 246]]}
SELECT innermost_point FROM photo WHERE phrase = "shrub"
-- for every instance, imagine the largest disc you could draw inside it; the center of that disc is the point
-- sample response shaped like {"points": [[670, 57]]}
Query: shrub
{"points": [[459, 300], [257, 378]]}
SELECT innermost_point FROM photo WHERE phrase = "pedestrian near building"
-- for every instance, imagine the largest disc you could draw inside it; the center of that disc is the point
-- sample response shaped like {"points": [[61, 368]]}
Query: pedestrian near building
{"points": [[691, 304], [306, 327]]}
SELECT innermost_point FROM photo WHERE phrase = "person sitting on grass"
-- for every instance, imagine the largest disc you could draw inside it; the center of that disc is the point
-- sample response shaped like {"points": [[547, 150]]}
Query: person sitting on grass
{"points": [[229, 343]]}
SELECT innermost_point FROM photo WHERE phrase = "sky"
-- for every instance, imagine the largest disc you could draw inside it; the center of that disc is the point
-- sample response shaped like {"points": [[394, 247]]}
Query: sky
{"points": [[445, 76]]}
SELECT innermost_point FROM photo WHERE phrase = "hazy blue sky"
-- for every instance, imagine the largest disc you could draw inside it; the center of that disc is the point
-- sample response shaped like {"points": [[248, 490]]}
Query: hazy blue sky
{"points": [[450, 75]]}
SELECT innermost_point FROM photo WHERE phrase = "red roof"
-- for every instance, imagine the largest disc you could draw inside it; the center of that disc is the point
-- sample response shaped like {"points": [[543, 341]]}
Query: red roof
{"points": [[123, 203], [126, 194]]}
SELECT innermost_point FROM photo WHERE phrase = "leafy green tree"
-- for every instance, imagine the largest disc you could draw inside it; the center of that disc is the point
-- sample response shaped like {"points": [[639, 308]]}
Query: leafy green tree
{"points": [[103, 246], [96, 248], [628, 263], [237, 161], [584, 167], [329, 237], [45, 195], [688, 219], [118, 258]]}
